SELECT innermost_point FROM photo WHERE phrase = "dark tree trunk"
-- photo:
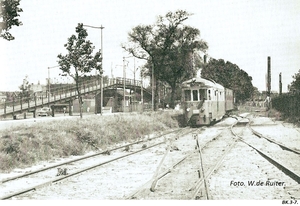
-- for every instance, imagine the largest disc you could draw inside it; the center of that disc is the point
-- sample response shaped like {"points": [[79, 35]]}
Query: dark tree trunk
{"points": [[156, 95], [79, 96], [80, 102], [172, 103]]}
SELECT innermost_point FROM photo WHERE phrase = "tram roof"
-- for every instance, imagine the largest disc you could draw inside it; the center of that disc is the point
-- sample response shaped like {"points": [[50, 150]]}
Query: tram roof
{"points": [[202, 82]]}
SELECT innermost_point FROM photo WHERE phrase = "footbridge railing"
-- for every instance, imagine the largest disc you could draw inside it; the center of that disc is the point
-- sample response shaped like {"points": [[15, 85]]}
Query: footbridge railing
{"points": [[60, 93]]}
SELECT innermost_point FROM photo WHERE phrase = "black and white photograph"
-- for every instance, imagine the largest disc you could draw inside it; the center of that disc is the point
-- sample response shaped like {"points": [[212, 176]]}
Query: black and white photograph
{"points": [[161, 100]]}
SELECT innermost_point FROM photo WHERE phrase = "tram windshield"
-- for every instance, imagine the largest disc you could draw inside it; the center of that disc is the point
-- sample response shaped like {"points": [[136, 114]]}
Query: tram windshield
{"points": [[187, 95], [195, 95], [202, 93]]}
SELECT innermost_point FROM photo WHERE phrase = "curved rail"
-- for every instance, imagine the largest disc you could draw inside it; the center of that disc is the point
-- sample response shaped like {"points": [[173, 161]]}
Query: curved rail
{"points": [[274, 141], [288, 171], [176, 132], [35, 187], [148, 184], [199, 185]]}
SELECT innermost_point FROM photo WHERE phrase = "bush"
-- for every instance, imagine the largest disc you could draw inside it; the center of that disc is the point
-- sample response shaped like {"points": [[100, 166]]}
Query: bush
{"points": [[288, 105]]}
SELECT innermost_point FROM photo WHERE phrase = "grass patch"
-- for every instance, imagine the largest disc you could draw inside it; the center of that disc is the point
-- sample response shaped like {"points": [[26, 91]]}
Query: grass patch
{"points": [[24, 146]]}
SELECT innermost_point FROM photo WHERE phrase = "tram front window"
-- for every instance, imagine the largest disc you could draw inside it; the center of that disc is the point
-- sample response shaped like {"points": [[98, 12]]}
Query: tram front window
{"points": [[195, 95], [187, 95], [202, 93]]}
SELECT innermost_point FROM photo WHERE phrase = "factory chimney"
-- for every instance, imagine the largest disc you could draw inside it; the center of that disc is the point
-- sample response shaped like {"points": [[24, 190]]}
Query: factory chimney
{"points": [[280, 84], [269, 77]]}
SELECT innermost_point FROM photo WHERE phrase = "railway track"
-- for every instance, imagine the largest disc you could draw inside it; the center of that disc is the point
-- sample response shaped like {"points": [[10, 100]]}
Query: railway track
{"points": [[27, 182], [198, 164], [211, 163], [275, 152], [282, 134], [205, 163], [181, 165], [282, 156], [4, 180]]}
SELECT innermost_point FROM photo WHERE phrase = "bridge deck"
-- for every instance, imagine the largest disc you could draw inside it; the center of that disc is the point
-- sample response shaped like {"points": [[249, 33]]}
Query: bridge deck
{"points": [[66, 93]]}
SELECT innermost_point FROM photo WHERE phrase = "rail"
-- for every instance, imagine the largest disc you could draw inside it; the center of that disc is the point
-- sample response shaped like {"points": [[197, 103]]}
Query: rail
{"points": [[33, 186]]}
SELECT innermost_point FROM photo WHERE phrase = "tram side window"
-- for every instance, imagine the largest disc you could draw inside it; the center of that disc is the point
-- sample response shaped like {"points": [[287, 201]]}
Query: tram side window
{"points": [[187, 95], [195, 95], [209, 96]]}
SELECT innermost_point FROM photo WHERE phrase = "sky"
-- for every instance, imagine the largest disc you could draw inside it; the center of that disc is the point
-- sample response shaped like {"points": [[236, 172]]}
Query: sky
{"points": [[243, 32]]}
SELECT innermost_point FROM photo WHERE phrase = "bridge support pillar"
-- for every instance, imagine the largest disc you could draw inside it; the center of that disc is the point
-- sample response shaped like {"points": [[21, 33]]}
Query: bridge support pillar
{"points": [[98, 103], [71, 107], [52, 110]]}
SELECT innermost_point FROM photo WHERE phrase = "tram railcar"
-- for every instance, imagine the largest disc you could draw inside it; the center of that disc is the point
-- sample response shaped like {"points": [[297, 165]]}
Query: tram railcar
{"points": [[205, 101]]}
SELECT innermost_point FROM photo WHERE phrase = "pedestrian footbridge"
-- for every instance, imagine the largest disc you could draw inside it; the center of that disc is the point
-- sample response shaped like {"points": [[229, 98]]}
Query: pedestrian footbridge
{"points": [[64, 95]]}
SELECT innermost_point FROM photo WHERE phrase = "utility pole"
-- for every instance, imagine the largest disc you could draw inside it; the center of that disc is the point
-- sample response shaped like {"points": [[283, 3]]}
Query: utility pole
{"points": [[124, 84], [134, 79], [142, 92], [100, 72], [124, 76], [49, 76], [153, 95]]}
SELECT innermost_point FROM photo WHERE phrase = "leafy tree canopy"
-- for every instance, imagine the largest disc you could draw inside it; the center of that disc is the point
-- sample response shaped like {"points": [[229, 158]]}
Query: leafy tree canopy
{"points": [[230, 76], [9, 11], [169, 48], [295, 84], [79, 60]]}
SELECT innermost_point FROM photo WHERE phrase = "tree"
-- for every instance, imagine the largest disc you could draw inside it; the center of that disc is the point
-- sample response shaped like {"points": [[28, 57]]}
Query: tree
{"points": [[295, 84], [168, 47], [257, 95], [25, 88], [9, 12], [79, 61], [179, 64], [230, 76]]}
